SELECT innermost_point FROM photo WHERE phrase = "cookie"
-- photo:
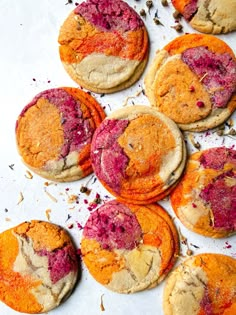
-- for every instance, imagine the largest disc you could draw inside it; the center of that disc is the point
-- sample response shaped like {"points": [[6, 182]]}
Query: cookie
{"points": [[38, 267], [193, 81], [212, 17], [203, 284], [138, 154], [104, 45], [129, 248], [205, 198], [54, 132]]}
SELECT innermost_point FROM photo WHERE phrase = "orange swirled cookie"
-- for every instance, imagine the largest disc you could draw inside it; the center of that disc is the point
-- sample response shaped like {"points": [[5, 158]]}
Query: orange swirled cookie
{"points": [[104, 45], [54, 132], [202, 285], [212, 16], [129, 248], [193, 81], [138, 154], [38, 266], [205, 197]]}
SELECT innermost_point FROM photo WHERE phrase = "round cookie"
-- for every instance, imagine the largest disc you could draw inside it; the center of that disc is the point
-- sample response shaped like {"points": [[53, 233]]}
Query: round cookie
{"points": [[212, 17], [129, 248], [203, 284], [38, 267], [104, 45], [205, 198], [138, 154], [54, 132], [192, 80]]}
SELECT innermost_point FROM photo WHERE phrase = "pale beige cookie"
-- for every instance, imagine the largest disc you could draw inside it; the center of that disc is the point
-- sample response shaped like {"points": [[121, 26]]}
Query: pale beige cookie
{"points": [[203, 284]]}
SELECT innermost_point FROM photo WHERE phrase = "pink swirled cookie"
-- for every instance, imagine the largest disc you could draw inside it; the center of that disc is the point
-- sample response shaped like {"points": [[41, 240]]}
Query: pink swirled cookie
{"points": [[38, 267], [202, 285], [138, 154], [192, 80], [129, 248], [212, 16], [104, 45], [205, 198], [54, 132]]}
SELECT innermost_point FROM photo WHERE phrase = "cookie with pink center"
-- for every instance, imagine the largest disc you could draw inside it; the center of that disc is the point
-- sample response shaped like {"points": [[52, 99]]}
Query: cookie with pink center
{"points": [[129, 248], [54, 132], [205, 198], [192, 80], [212, 17], [202, 285], [138, 154], [104, 45], [38, 267]]}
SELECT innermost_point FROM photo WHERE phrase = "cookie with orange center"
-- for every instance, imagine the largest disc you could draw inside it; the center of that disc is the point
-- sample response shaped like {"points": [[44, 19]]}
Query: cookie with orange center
{"points": [[203, 284], [104, 45], [205, 198], [138, 154], [54, 132], [193, 81], [213, 17], [129, 248], [38, 267]]}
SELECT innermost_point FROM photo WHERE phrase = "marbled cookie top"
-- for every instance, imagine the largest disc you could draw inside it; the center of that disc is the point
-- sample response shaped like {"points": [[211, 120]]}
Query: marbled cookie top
{"points": [[194, 74], [104, 45], [54, 132], [205, 198], [137, 154], [38, 266], [129, 248]]}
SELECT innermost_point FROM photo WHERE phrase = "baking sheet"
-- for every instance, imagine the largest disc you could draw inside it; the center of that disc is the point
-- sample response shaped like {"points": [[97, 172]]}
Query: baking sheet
{"points": [[29, 64]]}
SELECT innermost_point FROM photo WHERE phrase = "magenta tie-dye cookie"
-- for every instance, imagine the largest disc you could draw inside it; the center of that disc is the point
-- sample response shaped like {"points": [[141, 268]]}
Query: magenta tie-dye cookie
{"points": [[38, 267], [129, 248], [205, 198], [104, 45], [138, 154], [192, 80], [54, 133]]}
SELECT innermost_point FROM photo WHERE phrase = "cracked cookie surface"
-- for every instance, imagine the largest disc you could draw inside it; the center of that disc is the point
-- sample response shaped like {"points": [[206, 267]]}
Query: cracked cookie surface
{"points": [[104, 45], [193, 81], [209, 16], [54, 132], [38, 266], [204, 199], [203, 284], [129, 248], [138, 154]]}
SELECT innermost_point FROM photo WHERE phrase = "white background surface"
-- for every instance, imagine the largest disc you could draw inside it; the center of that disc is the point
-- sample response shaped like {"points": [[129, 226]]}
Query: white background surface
{"points": [[29, 64]]}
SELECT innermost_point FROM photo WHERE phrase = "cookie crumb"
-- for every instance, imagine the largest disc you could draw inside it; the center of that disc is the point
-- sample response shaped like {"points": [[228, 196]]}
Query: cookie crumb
{"points": [[101, 304], [20, 199]]}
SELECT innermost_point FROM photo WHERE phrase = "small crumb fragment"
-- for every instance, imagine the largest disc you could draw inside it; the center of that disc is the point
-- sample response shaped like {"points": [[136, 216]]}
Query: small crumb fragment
{"points": [[196, 145], [220, 132], [11, 166], [176, 14], [157, 21], [70, 226], [85, 190], [149, 4], [21, 198], [28, 175], [47, 212], [7, 219], [189, 252], [164, 3], [50, 196], [232, 132], [195, 246], [72, 198], [178, 27], [101, 304]]}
